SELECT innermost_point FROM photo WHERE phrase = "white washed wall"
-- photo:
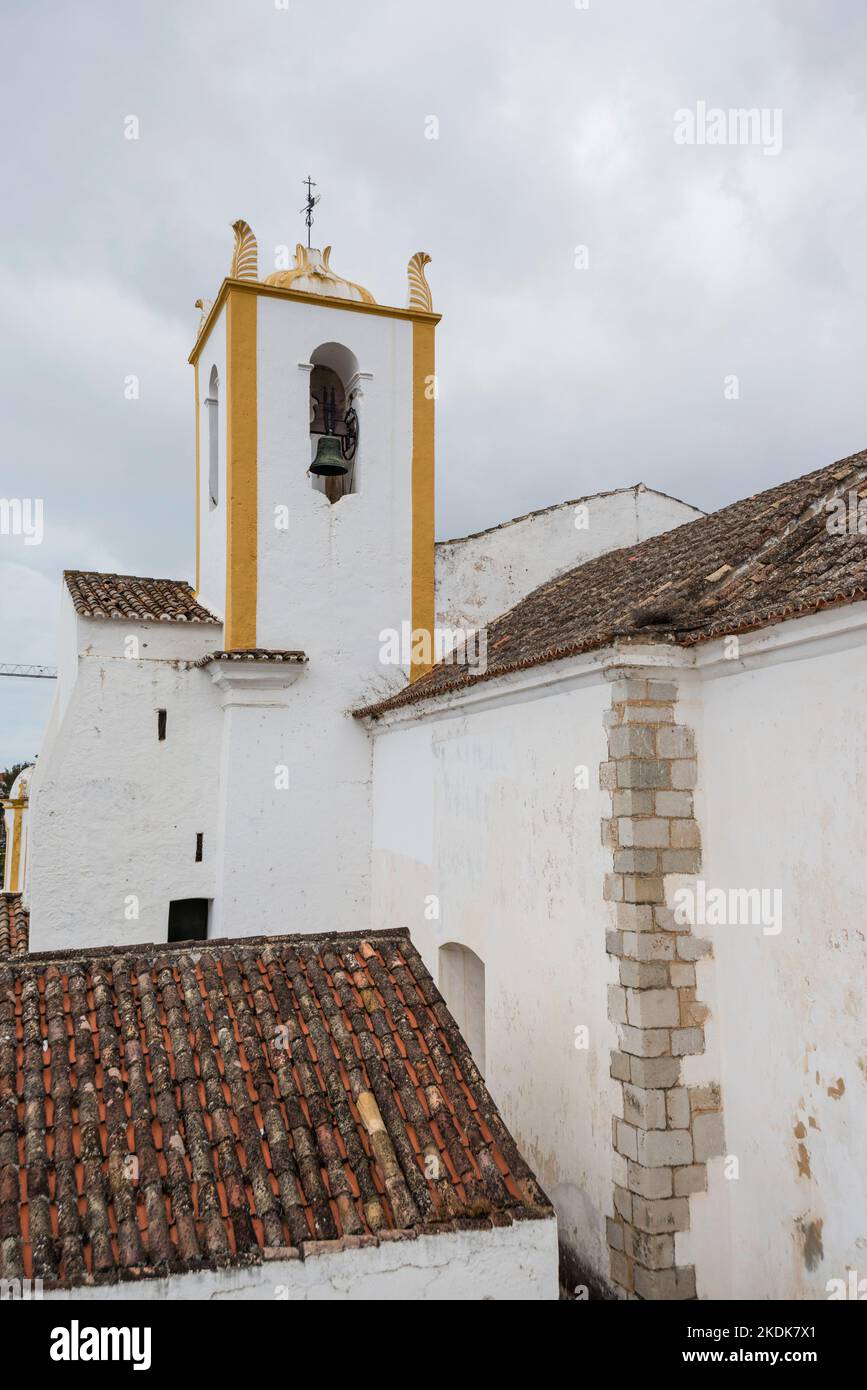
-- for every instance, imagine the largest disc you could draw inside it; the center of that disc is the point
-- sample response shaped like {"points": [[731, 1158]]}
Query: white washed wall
{"points": [[481, 810], [782, 770], [116, 811], [328, 585]]}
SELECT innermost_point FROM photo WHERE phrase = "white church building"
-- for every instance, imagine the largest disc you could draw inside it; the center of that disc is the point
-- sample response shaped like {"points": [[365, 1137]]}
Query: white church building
{"points": [[617, 828]]}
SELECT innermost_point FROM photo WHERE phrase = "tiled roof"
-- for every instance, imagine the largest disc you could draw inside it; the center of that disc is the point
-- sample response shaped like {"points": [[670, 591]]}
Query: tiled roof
{"points": [[255, 654], [14, 925], [164, 1108], [134, 598], [758, 561]]}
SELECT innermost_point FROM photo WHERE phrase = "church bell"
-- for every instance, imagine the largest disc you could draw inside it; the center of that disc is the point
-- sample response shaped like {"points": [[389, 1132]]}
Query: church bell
{"points": [[329, 461]]}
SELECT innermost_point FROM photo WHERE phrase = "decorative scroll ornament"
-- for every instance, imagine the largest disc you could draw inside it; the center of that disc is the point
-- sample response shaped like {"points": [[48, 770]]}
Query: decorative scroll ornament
{"points": [[419, 289], [205, 306], [312, 274], [245, 257]]}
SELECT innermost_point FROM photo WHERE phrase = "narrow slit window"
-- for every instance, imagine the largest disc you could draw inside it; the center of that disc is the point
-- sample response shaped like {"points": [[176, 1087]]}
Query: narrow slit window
{"points": [[200, 843], [212, 406], [161, 724]]}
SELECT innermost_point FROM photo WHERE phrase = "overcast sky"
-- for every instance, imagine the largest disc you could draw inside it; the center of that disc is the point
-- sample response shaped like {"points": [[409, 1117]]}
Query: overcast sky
{"points": [[556, 130]]}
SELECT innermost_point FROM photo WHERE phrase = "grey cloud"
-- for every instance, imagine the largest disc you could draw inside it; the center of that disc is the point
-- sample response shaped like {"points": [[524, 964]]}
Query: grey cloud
{"points": [[555, 130]]}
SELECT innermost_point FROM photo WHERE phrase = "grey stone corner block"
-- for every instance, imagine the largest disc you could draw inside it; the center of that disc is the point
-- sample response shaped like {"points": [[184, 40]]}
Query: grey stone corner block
{"points": [[665, 1284], [660, 1215], [663, 1148], [708, 1136], [687, 1042]]}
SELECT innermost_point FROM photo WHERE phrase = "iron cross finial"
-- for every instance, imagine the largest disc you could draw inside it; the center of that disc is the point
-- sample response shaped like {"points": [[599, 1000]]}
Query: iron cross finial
{"points": [[309, 205]]}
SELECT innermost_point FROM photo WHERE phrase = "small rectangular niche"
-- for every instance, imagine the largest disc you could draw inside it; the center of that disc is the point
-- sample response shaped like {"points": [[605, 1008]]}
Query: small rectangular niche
{"points": [[188, 919], [161, 724], [200, 844]]}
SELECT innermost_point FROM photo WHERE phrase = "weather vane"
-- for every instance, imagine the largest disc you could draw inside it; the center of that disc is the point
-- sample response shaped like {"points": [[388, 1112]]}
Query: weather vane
{"points": [[309, 205]]}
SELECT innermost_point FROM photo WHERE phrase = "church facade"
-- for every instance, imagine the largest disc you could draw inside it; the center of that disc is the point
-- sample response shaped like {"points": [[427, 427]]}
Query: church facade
{"points": [[600, 762]]}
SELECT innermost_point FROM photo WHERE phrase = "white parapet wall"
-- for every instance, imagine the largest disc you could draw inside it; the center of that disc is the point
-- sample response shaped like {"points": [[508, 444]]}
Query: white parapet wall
{"points": [[478, 577], [510, 1263]]}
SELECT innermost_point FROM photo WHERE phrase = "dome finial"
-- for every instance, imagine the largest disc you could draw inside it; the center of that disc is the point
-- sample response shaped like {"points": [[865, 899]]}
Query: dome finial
{"points": [[312, 274]]}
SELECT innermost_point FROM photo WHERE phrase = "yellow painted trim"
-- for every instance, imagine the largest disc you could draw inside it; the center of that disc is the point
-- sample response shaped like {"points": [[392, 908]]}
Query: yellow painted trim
{"points": [[17, 819], [423, 483], [255, 288], [241, 448], [198, 484]]}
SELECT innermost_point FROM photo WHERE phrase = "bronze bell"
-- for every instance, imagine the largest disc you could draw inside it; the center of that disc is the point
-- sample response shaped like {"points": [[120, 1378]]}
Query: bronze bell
{"points": [[329, 461]]}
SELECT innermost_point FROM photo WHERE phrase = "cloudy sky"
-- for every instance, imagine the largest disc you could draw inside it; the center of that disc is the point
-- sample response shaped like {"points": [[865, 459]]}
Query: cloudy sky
{"points": [[562, 371]]}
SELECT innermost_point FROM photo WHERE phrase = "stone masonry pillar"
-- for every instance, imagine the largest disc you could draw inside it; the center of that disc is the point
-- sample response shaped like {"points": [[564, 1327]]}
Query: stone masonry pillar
{"points": [[666, 1130]]}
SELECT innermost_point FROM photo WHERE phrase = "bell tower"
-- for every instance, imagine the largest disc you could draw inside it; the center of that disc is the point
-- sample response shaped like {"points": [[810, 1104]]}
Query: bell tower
{"points": [[305, 385], [315, 532]]}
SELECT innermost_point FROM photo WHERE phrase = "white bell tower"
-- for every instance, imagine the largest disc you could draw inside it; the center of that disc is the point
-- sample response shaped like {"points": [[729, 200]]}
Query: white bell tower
{"points": [[315, 533]]}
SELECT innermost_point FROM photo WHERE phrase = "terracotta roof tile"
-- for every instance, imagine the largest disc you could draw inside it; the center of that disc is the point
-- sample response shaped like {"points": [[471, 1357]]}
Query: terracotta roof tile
{"points": [[14, 925], [134, 598], [255, 654], [758, 561], [164, 1108]]}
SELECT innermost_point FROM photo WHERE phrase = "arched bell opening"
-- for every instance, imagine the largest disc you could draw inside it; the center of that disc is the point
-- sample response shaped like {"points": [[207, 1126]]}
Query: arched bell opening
{"points": [[334, 431]]}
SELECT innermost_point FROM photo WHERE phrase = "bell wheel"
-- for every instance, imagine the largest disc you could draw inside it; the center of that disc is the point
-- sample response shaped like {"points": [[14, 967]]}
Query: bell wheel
{"points": [[349, 440]]}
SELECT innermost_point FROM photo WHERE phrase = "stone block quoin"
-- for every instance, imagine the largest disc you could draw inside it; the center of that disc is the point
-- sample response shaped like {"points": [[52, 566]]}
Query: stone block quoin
{"points": [[667, 1131]]}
